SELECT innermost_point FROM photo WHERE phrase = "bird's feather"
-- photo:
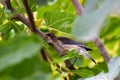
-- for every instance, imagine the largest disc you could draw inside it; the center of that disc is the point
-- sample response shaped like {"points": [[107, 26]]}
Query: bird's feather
{"points": [[69, 41]]}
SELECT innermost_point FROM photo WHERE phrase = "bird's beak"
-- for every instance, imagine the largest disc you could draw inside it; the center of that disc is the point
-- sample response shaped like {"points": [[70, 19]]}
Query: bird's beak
{"points": [[89, 57]]}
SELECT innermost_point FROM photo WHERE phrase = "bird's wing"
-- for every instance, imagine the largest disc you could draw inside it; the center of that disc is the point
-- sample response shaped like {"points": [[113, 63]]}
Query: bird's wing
{"points": [[69, 41]]}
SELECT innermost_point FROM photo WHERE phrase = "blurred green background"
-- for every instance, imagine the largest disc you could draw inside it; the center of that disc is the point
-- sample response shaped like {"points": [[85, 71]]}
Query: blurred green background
{"points": [[20, 57]]}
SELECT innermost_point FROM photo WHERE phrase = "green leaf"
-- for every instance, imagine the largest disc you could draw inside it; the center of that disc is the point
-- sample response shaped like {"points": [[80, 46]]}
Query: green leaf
{"points": [[28, 69], [38, 76], [6, 77], [102, 66], [32, 5], [6, 29], [88, 25], [14, 51], [112, 26], [1, 15], [43, 2], [52, 53], [114, 70], [75, 77], [78, 62], [58, 5], [69, 55], [83, 73], [59, 20], [100, 76]]}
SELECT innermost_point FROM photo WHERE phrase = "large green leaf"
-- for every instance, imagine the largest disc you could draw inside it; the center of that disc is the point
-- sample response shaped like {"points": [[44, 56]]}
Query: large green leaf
{"points": [[14, 51], [29, 69], [59, 20], [39, 76], [58, 5], [88, 25]]}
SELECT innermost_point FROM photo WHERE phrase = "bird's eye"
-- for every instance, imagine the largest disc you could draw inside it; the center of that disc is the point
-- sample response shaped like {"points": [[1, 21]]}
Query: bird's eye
{"points": [[50, 34]]}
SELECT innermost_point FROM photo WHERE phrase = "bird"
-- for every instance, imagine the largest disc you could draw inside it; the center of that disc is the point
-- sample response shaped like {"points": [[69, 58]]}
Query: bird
{"points": [[70, 44], [80, 48]]}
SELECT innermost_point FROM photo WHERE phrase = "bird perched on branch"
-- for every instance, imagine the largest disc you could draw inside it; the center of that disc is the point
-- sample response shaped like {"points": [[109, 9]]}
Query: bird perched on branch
{"points": [[70, 44]]}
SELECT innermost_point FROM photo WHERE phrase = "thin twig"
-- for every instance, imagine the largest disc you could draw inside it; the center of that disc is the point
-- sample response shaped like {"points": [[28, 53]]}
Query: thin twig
{"points": [[97, 41], [30, 16], [31, 20], [102, 49], [22, 19], [78, 7], [7, 4], [43, 54]]}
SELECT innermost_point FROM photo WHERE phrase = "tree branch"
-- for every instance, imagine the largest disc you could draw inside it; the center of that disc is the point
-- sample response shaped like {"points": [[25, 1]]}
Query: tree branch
{"points": [[97, 40], [30, 16], [57, 46], [30, 24], [22, 19]]}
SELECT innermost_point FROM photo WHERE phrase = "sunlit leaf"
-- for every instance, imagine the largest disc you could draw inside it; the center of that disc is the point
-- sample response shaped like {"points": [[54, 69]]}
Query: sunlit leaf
{"points": [[59, 20], [83, 73]]}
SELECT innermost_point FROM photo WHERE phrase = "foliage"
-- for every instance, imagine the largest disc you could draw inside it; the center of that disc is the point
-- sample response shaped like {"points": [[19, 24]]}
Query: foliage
{"points": [[113, 67], [19, 48]]}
